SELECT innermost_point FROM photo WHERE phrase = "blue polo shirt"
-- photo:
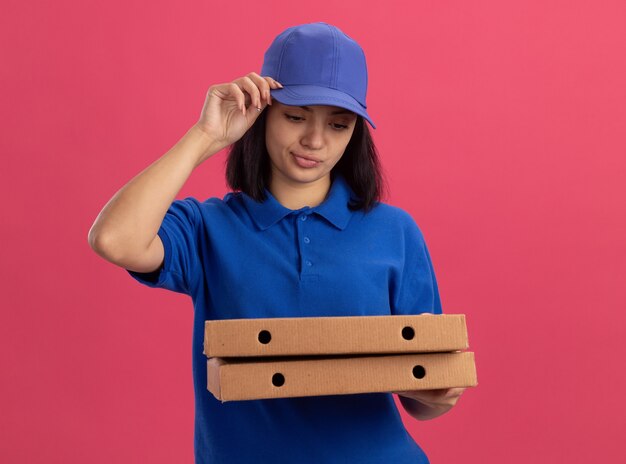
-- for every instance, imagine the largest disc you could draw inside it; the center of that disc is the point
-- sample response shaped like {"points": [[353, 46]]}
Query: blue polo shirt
{"points": [[238, 258]]}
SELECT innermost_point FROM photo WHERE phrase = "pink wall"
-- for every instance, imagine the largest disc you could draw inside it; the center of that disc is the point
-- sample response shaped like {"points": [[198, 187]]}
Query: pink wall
{"points": [[502, 130]]}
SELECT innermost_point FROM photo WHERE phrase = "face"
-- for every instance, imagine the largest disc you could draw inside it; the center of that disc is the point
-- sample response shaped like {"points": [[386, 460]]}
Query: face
{"points": [[318, 132]]}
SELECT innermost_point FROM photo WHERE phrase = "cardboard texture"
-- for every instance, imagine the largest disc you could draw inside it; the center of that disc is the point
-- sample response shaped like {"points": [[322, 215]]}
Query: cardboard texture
{"points": [[335, 335], [237, 379], [310, 356]]}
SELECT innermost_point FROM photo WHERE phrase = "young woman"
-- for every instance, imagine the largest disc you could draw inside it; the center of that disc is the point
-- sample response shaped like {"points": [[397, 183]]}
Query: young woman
{"points": [[302, 234]]}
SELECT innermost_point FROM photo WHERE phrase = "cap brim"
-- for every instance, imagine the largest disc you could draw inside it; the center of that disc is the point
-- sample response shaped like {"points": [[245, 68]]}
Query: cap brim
{"points": [[304, 95]]}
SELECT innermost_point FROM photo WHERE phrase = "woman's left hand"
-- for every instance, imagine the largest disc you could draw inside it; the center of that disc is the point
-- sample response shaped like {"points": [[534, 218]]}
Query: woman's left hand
{"points": [[433, 403]]}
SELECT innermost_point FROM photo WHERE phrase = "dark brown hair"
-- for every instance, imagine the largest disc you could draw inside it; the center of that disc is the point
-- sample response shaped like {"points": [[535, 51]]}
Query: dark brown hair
{"points": [[248, 165]]}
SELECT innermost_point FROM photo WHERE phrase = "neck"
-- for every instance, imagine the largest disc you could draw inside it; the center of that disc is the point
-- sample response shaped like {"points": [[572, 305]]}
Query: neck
{"points": [[298, 195]]}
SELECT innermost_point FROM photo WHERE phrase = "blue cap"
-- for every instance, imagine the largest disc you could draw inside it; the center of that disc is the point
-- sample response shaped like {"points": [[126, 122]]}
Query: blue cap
{"points": [[318, 64]]}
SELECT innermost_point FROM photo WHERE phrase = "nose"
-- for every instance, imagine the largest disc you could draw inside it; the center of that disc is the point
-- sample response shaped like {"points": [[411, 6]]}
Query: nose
{"points": [[313, 136]]}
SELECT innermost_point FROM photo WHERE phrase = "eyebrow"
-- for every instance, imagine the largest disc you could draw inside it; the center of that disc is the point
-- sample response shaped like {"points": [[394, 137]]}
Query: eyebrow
{"points": [[306, 108]]}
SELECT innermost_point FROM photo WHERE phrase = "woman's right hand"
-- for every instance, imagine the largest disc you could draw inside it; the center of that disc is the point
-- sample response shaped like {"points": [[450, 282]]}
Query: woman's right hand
{"points": [[230, 109]]}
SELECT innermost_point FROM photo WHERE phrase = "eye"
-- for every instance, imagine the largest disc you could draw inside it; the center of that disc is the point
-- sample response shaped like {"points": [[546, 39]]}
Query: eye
{"points": [[336, 126], [293, 118]]}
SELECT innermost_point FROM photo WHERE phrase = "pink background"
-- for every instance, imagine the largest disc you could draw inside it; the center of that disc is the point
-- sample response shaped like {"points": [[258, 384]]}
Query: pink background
{"points": [[501, 127]]}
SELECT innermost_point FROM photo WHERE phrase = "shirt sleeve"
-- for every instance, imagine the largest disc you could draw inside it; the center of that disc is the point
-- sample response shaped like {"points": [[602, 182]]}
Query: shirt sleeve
{"points": [[179, 233], [418, 290]]}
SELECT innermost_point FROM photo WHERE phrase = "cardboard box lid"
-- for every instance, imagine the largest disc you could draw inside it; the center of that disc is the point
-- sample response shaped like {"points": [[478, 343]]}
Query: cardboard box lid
{"points": [[335, 335], [266, 378]]}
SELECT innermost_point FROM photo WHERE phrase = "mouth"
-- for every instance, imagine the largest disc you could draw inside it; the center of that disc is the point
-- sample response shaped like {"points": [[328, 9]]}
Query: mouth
{"points": [[305, 161], [306, 157]]}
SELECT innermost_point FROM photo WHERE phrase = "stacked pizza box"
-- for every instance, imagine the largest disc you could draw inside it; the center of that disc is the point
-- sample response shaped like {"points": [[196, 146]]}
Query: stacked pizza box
{"points": [[310, 356]]}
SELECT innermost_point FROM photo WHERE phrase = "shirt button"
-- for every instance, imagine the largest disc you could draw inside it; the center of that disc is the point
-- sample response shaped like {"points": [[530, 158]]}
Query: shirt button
{"points": [[307, 239], [303, 217], [309, 263]]}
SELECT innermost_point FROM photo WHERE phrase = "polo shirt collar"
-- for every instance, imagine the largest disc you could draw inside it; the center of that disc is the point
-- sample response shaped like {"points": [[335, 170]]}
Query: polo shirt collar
{"points": [[334, 208]]}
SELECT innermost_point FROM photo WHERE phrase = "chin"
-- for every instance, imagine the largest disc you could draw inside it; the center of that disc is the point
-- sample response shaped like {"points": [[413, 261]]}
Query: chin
{"points": [[306, 176], [301, 175]]}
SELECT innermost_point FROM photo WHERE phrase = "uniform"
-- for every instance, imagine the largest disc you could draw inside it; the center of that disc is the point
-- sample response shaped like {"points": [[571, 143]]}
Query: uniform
{"points": [[238, 258]]}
